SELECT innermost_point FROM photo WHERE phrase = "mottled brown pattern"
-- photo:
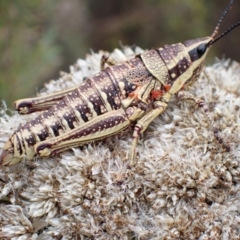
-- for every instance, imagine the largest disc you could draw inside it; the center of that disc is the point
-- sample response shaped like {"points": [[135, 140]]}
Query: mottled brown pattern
{"points": [[102, 125], [138, 75], [155, 65], [166, 57], [78, 105], [106, 85], [118, 75], [191, 42], [182, 65], [176, 59], [53, 126]]}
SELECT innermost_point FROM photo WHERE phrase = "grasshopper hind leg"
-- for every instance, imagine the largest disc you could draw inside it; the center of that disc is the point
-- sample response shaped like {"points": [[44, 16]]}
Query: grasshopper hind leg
{"points": [[98, 128], [30, 105]]}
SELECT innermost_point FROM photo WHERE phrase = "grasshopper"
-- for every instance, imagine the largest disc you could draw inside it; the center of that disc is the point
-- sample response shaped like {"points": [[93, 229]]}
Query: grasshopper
{"points": [[134, 92]]}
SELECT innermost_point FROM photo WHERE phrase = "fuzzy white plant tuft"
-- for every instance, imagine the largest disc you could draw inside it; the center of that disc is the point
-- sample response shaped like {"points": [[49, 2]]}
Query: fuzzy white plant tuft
{"points": [[184, 186]]}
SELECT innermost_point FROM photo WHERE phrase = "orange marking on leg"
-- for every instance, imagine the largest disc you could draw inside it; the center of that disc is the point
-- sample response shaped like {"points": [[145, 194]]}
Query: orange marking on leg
{"points": [[133, 95], [167, 87], [155, 94]]}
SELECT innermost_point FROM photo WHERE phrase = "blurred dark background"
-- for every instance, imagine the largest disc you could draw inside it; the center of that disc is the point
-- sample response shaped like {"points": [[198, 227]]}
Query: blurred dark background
{"points": [[40, 38]]}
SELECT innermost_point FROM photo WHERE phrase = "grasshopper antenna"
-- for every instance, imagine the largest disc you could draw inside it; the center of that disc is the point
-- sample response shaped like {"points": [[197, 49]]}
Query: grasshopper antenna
{"points": [[225, 33], [215, 32]]}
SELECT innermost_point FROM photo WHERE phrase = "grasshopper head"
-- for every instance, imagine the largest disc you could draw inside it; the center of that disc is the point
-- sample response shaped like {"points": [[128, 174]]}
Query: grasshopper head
{"points": [[198, 48]]}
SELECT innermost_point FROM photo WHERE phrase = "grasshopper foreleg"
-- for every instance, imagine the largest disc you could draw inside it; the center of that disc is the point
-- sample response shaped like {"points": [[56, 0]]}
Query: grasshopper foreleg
{"points": [[142, 125], [204, 107]]}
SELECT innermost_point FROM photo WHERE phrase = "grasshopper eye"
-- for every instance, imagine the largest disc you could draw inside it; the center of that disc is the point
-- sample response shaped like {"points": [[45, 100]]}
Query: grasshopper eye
{"points": [[201, 49]]}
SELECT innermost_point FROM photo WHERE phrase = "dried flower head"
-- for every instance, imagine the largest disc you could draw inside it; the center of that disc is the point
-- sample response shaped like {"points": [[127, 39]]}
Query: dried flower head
{"points": [[184, 186]]}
